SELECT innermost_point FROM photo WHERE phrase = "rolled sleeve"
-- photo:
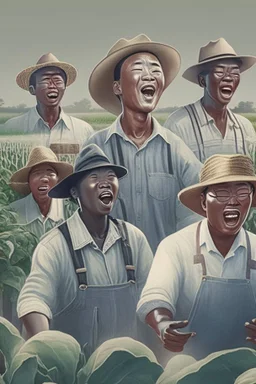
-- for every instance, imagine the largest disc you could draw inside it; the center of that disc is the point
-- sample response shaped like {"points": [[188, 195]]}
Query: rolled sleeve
{"points": [[163, 284], [39, 292]]}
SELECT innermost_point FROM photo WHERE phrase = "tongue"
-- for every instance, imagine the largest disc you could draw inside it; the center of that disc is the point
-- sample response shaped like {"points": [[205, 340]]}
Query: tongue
{"points": [[106, 200]]}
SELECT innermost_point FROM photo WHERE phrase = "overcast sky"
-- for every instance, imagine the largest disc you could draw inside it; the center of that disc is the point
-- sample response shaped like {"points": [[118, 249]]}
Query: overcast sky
{"points": [[82, 31]]}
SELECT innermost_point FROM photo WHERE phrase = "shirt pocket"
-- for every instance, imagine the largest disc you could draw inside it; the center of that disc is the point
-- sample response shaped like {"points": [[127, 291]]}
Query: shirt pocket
{"points": [[162, 186]]}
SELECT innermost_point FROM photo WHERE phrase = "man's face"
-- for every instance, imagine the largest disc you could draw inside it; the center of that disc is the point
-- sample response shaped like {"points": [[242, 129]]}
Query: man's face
{"points": [[50, 86], [141, 82], [41, 179], [227, 205], [98, 190], [222, 80]]}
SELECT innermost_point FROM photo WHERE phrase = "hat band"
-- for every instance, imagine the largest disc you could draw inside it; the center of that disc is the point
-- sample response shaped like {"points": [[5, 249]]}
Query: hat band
{"points": [[216, 56], [216, 173], [91, 163]]}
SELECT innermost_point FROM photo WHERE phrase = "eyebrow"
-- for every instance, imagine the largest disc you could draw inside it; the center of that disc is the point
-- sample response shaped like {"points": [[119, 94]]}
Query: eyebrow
{"points": [[224, 66], [155, 63]]}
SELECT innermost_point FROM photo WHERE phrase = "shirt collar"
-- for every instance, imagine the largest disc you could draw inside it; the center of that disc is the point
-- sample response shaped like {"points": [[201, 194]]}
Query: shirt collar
{"points": [[32, 211], [35, 117], [81, 237], [205, 238], [205, 118], [116, 128]]}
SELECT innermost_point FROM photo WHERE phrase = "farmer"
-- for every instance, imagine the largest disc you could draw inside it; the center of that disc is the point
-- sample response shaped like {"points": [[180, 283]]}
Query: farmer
{"points": [[37, 210], [208, 126], [88, 273], [47, 81], [129, 82], [201, 289]]}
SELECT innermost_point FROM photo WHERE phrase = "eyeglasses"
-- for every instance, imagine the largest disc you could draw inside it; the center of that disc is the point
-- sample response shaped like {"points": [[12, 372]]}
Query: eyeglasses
{"points": [[224, 196]]}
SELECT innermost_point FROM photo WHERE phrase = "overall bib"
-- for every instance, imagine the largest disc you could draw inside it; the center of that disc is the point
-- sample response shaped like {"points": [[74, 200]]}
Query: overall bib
{"points": [[220, 310], [99, 313]]}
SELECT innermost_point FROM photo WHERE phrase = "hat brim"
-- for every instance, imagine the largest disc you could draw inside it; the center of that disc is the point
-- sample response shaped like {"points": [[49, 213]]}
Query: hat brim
{"points": [[102, 77], [192, 73], [191, 196], [19, 180], [62, 189], [23, 77]]}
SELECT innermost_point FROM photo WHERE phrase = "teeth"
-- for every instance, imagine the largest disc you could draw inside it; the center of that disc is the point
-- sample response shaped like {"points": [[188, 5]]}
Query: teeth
{"points": [[105, 194], [43, 188], [52, 94], [231, 216]]}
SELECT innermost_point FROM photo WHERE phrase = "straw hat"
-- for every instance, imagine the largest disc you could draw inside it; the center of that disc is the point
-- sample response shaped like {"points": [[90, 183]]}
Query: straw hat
{"points": [[214, 51], [102, 77], [38, 155], [91, 157], [216, 170], [47, 60]]}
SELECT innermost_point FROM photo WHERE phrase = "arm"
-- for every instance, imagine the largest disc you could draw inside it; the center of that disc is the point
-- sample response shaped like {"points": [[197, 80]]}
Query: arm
{"points": [[34, 323]]}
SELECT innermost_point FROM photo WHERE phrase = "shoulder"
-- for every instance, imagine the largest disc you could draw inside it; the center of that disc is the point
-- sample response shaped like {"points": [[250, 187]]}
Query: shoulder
{"points": [[179, 241], [79, 123], [17, 120], [245, 123], [98, 137], [19, 205], [179, 116]]}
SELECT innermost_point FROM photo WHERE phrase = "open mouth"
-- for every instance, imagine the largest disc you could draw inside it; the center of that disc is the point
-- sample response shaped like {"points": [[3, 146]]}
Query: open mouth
{"points": [[148, 91], [43, 188], [106, 198], [226, 91], [52, 95], [231, 217]]}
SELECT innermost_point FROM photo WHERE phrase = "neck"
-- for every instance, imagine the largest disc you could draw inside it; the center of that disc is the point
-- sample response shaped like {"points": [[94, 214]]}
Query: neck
{"points": [[44, 205], [96, 225], [216, 110], [49, 114], [222, 241], [137, 126]]}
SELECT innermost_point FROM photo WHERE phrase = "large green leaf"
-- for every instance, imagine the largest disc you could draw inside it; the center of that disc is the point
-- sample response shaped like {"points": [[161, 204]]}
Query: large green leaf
{"points": [[14, 277], [55, 350], [121, 360], [248, 377], [221, 367], [10, 340], [24, 369]]}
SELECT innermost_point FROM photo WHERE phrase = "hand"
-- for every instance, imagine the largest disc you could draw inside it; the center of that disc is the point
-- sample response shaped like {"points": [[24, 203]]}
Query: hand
{"points": [[251, 331], [175, 340]]}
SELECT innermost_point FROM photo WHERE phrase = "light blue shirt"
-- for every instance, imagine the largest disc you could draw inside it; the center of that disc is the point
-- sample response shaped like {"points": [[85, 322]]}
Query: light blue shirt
{"points": [[203, 137], [174, 279], [158, 170], [52, 283]]}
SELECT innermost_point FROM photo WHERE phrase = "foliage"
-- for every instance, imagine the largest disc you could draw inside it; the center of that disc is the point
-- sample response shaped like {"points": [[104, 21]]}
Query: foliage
{"points": [[244, 107], [53, 356]]}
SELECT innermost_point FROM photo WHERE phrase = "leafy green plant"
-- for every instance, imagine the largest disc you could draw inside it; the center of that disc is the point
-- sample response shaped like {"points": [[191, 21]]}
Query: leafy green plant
{"points": [[56, 357]]}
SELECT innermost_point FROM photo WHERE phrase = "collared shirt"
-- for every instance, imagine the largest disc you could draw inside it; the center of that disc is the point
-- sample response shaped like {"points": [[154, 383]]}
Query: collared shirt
{"points": [[203, 137], [30, 215], [174, 279], [52, 283], [67, 130], [158, 170]]}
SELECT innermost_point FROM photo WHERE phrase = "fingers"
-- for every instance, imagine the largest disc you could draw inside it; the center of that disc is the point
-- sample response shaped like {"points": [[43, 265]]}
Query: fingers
{"points": [[251, 331], [173, 339], [178, 324]]}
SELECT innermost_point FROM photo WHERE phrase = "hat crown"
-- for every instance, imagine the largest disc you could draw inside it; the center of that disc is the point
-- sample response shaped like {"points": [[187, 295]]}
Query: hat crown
{"points": [[215, 48], [90, 156], [47, 58], [225, 166], [122, 43], [41, 155]]}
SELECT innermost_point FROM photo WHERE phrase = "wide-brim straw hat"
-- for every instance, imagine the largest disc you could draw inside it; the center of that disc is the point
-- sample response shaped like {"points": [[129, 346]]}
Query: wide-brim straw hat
{"points": [[38, 155], [219, 169], [216, 50], [102, 77], [91, 157], [47, 60]]}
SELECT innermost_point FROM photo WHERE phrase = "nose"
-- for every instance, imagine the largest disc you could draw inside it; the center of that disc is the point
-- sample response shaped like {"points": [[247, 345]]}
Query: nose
{"points": [[233, 200], [104, 184], [228, 77], [45, 178], [51, 84], [147, 75]]}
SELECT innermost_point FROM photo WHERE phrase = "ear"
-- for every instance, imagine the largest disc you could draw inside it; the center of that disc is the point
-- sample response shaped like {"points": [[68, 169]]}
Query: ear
{"points": [[203, 201], [117, 88], [74, 192], [32, 90], [201, 81]]}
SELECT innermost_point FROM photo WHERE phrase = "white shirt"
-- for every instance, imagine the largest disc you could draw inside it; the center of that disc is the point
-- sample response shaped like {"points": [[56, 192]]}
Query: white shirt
{"points": [[211, 141], [174, 279], [52, 283], [68, 129]]}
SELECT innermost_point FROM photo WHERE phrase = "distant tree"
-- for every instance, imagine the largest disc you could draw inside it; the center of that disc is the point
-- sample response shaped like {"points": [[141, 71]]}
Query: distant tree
{"points": [[79, 106], [167, 109], [244, 107], [1, 102]]}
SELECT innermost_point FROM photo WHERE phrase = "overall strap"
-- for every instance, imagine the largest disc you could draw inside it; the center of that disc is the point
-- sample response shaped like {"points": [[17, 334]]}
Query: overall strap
{"points": [[196, 128], [76, 257], [199, 257], [169, 159], [251, 264], [233, 117], [127, 252]]}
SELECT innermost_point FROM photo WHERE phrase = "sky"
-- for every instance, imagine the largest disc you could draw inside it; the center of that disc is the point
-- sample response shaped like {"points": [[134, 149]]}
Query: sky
{"points": [[82, 31]]}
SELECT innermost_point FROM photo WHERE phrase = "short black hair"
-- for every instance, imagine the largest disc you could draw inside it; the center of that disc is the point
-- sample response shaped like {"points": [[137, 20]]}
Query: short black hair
{"points": [[32, 79], [117, 70]]}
